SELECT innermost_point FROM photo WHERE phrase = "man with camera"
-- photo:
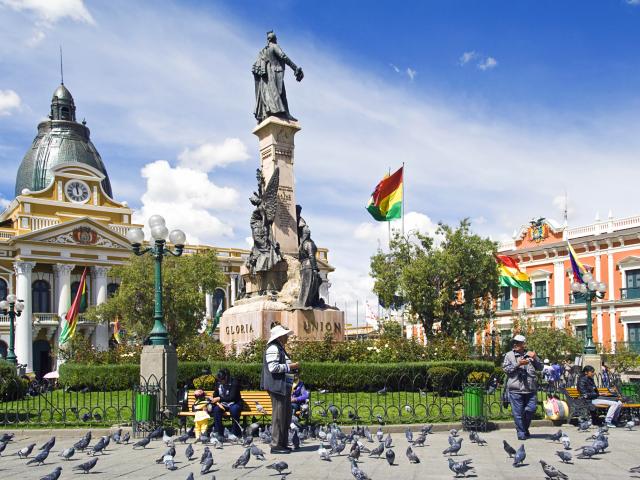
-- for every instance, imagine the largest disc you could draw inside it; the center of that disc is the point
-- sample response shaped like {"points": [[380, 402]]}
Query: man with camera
{"points": [[277, 378], [522, 386]]}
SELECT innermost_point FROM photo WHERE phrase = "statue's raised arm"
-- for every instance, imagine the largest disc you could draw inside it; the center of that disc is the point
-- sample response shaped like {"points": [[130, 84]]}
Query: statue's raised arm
{"points": [[268, 75]]}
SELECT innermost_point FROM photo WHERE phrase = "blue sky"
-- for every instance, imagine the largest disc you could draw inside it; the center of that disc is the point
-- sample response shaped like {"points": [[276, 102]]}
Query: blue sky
{"points": [[497, 108]]}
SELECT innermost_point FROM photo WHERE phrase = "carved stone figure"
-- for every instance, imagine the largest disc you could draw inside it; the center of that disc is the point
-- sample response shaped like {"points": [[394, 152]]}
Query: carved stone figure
{"points": [[310, 279], [268, 75], [265, 253]]}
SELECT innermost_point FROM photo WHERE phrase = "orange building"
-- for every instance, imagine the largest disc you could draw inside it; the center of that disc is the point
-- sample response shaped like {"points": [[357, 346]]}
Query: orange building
{"points": [[610, 249]]}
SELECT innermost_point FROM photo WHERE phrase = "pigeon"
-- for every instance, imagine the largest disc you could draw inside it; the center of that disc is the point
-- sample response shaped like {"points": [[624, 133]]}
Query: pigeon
{"points": [[584, 426], [7, 437], [453, 449], [552, 472], [427, 429], [190, 476], [454, 440], [157, 433], [26, 451], [380, 434], [391, 456], [460, 468], [189, 452], [419, 442], [635, 469], [243, 459], [324, 454], [97, 417], [453, 432], [171, 452], [629, 425], [388, 442], [509, 449], [566, 442], [376, 452], [205, 454], [257, 452], [600, 445], [338, 448], [48, 445], [279, 466], [183, 438], [53, 475], [143, 442], [587, 452], [67, 453], [40, 458], [82, 444], [126, 438], [355, 452], [3, 445], [86, 466], [383, 391], [520, 456], [206, 466], [295, 440], [556, 436], [215, 441], [472, 436], [409, 435], [564, 456], [333, 410], [413, 458], [367, 434], [357, 473], [169, 463], [165, 438], [98, 447], [480, 441]]}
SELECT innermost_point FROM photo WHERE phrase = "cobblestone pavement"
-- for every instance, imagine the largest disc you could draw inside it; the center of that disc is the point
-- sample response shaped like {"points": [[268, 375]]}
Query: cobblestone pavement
{"points": [[491, 462]]}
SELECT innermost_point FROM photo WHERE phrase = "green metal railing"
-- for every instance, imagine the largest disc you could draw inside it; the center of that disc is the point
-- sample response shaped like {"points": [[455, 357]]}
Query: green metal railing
{"points": [[630, 293], [504, 305], [539, 302]]}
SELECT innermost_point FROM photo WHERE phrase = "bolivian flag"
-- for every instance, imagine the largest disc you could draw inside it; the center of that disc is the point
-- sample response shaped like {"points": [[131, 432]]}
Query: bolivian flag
{"points": [[116, 331], [511, 275], [70, 320], [386, 200]]}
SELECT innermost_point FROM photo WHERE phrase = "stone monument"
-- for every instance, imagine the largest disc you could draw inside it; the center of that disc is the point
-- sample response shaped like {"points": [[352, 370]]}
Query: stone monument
{"points": [[281, 278]]}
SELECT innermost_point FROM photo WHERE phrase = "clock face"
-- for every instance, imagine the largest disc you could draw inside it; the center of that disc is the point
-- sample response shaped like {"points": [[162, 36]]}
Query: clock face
{"points": [[77, 191]]}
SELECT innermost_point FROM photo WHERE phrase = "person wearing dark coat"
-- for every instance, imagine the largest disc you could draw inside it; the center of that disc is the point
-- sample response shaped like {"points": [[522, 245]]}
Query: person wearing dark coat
{"points": [[587, 389], [227, 399]]}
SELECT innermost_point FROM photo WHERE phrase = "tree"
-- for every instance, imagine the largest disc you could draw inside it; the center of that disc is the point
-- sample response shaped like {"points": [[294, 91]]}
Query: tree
{"points": [[554, 344], [185, 281], [451, 278]]}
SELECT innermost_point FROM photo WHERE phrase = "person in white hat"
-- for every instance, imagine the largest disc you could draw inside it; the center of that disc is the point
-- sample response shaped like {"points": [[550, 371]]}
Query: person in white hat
{"points": [[521, 386], [277, 379]]}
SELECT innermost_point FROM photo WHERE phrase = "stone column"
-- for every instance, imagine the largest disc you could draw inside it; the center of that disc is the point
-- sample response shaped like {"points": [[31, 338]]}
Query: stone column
{"points": [[234, 291], [62, 273], [99, 284], [558, 282], [208, 305], [276, 150], [24, 323]]}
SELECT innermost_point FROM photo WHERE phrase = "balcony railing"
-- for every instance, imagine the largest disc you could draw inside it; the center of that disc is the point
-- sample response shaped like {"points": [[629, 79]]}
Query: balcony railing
{"points": [[46, 318], [504, 305], [573, 298], [4, 319], [630, 293], [630, 346], [539, 302]]}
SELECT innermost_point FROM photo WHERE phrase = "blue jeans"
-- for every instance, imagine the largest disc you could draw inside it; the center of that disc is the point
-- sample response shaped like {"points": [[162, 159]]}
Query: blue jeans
{"points": [[523, 407], [234, 410]]}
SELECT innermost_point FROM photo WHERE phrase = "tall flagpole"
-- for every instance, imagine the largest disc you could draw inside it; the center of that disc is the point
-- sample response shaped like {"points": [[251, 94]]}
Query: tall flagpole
{"points": [[403, 205]]}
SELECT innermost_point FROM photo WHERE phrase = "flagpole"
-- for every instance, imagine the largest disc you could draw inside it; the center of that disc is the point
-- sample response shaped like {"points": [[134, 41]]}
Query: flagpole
{"points": [[403, 204]]}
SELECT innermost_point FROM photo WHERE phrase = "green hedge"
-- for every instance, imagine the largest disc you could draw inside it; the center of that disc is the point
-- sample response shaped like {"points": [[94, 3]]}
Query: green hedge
{"points": [[12, 387], [344, 377]]}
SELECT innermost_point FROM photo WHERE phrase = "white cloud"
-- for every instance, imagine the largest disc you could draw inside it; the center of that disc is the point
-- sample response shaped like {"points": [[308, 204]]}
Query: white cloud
{"points": [[210, 155], [466, 57], [49, 12], [411, 73], [633, 2], [487, 64], [395, 68], [187, 199], [9, 101]]}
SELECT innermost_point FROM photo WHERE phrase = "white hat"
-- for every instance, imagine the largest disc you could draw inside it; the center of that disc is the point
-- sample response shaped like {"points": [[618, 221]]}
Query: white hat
{"points": [[277, 332], [519, 338], [546, 360]]}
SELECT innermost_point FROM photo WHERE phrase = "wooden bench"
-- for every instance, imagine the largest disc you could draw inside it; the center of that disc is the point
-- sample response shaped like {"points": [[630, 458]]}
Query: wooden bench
{"points": [[581, 407], [249, 399]]}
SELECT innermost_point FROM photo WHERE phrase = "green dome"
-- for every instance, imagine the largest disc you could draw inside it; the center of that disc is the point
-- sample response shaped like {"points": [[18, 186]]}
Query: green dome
{"points": [[60, 140]]}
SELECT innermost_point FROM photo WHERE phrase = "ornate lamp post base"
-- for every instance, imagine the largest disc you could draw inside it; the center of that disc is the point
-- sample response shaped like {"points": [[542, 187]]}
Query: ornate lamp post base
{"points": [[158, 368]]}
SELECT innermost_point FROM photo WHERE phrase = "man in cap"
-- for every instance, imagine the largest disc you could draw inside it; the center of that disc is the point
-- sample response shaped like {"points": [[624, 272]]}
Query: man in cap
{"points": [[277, 379], [520, 367]]}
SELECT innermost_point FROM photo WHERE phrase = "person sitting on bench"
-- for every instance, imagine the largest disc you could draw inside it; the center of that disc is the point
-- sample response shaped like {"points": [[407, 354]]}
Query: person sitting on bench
{"points": [[299, 396], [227, 399], [587, 389]]}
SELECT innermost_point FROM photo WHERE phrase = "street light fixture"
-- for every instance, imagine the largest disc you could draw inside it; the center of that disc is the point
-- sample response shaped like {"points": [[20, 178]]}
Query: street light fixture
{"points": [[13, 307], [159, 233], [589, 289]]}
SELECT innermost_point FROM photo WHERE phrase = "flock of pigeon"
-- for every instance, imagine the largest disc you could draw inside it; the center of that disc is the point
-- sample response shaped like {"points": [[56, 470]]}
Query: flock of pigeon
{"points": [[334, 442]]}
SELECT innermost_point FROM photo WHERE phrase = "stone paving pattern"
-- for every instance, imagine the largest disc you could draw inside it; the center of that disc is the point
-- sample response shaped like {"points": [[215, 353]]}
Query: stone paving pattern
{"points": [[121, 461]]}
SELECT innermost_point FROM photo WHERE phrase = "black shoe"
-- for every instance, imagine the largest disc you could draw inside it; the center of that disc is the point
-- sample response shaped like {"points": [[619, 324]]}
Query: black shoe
{"points": [[282, 450], [527, 433]]}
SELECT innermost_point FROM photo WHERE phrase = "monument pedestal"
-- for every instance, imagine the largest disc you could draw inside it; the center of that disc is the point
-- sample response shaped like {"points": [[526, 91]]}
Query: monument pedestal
{"points": [[253, 319], [594, 360], [159, 367]]}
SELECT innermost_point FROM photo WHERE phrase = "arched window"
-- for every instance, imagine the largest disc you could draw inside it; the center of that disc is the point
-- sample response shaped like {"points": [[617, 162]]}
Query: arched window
{"points": [[4, 290], [74, 290], [218, 298], [112, 288], [41, 296], [64, 113]]}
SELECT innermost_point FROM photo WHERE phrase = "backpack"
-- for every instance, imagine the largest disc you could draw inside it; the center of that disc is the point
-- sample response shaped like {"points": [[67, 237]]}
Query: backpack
{"points": [[555, 409]]}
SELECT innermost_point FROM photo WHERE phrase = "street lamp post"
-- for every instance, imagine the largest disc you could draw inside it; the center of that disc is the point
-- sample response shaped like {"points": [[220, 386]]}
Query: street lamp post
{"points": [[13, 307], [589, 289], [159, 233]]}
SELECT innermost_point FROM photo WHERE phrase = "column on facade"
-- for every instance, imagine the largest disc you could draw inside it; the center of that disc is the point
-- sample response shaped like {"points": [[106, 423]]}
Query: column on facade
{"points": [[599, 326], [234, 290], [611, 273], [62, 273], [558, 282], [99, 283], [612, 327], [522, 299], [208, 305], [24, 323]]}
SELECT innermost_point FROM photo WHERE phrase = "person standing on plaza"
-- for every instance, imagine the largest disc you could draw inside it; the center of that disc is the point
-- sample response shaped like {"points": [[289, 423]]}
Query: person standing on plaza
{"points": [[520, 367], [277, 378]]}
